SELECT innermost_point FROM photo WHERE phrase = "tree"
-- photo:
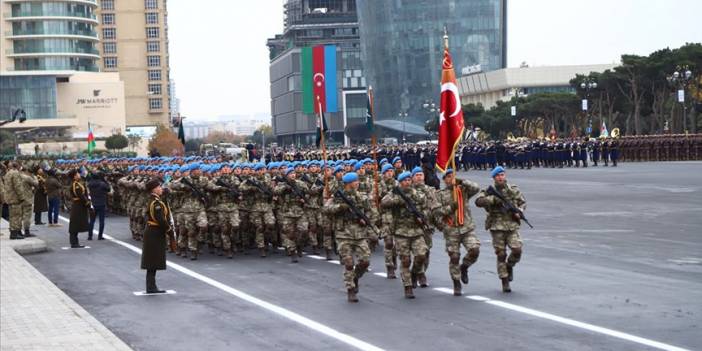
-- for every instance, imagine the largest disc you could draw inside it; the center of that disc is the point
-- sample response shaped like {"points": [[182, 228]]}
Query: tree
{"points": [[223, 137], [116, 142], [7, 144], [165, 142], [264, 130], [134, 140]]}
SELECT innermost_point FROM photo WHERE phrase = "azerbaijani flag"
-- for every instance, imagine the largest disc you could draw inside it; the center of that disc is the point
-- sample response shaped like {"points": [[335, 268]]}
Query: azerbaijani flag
{"points": [[91, 139], [318, 71]]}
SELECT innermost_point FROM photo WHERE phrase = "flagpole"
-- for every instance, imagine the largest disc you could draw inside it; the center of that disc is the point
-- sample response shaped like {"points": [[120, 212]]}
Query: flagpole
{"points": [[324, 149], [374, 144]]}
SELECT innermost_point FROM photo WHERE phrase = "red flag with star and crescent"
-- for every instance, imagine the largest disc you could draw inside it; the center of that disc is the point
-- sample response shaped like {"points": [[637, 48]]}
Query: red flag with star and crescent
{"points": [[451, 117]]}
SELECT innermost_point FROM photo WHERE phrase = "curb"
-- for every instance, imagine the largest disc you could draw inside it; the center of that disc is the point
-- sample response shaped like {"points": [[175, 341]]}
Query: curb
{"points": [[23, 247]]}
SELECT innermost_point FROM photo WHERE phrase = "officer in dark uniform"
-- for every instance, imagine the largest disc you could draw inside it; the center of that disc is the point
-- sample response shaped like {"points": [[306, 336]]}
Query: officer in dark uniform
{"points": [[80, 208], [158, 225]]}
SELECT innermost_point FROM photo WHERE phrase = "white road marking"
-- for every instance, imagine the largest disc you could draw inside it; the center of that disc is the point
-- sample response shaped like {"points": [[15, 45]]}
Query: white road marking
{"points": [[316, 326], [570, 322], [316, 257], [70, 248], [381, 274], [334, 261], [144, 293]]}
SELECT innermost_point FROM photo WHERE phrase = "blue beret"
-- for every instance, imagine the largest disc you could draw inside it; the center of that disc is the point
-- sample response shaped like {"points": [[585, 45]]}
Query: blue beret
{"points": [[404, 175], [349, 177], [384, 160], [497, 171], [386, 167], [259, 166], [289, 170], [338, 169], [358, 166], [448, 171], [272, 165], [416, 170], [397, 158]]}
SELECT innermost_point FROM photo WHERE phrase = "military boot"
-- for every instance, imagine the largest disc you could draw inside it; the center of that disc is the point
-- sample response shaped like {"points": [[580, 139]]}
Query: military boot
{"points": [[355, 283], [211, 249], [414, 280], [510, 272], [229, 253], [422, 279], [329, 255], [193, 255], [457, 288], [27, 234], [505, 286], [408, 292], [16, 235], [219, 251], [293, 257], [315, 250], [464, 273], [351, 296], [263, 252], [299, 251], [391, 272]]}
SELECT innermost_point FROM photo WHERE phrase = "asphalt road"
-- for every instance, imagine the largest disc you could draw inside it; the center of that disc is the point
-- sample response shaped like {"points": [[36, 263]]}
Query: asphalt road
{"points": [[614, 263]]}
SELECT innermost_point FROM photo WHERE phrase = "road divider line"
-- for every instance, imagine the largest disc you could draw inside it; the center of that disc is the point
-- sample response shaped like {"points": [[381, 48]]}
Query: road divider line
{"points": [[316, 326], [570, 322], [381, 274]]}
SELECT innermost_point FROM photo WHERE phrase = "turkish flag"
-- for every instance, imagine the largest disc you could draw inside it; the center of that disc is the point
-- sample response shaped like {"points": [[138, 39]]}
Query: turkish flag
{"points": [[318, 79], [451, 116]]}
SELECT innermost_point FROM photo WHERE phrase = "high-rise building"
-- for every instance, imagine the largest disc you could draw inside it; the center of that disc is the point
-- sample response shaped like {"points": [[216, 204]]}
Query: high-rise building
{"points": [[174, 101], [402, 48], [309, 23], [49, 75], [134, 42]]}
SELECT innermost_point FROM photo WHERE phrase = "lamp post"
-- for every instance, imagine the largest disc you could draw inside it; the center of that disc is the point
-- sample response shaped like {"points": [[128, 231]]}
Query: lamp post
{"points": [[431, 109], [680, 80], [587, 85], [403, 116]]}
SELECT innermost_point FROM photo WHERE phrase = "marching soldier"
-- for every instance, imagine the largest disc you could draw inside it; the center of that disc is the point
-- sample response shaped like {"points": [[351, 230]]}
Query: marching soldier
{"points": [[454, 219], [388, 183], [502, 224], [429, 195], [351, 233], [293, 222]]}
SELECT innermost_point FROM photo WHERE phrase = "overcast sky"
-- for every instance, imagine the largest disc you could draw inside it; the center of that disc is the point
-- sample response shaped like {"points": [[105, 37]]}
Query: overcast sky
{"points": [[219, 59]]}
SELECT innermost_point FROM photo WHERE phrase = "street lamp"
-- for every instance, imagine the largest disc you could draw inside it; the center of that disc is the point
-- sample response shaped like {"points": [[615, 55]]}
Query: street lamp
{"points": [[516, 92], [587, 85], [680, 80], [403, 116]]}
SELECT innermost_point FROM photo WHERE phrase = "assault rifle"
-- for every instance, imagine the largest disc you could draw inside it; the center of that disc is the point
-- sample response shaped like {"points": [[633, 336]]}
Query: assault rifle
{"points": [[357, 212], [508, 205], [172, 244], [195, 190], [298, 192], [412, 208], [235, 193], [260, 186]]}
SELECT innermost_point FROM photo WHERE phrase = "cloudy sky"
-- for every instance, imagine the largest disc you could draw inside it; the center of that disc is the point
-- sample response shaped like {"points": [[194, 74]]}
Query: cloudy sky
{"points": [[219, 57]]}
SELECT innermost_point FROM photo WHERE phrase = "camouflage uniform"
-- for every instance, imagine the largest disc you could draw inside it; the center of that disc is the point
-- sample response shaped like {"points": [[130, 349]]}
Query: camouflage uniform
{"points": [[16, 198], [408, 235], [261, 212], [430, 203], [293, 222], [503, 227], [351, 236], [28, 185], [457, 233], [194, 215], [226, 207], [312, 209], [387, 228]]}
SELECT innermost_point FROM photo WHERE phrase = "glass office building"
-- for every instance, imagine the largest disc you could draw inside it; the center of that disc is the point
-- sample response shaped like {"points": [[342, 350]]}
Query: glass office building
{"points": [[402, 48], [52, 35]]}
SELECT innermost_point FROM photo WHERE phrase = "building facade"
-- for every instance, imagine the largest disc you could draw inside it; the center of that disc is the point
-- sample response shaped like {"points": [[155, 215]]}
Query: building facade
{"points": [[134, 42], [402, 48], [48, 35], [309, 23], [487, 88]]}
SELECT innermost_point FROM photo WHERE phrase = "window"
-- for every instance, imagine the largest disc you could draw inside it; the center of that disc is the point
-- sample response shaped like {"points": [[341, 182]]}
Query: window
{"points": [[153, 46], [109, 48], [109, 33], [110, 62], [155, 104], [152, 18], [154, 74], [153, 61], [107, 4], [151, 4], [155, 89], [108, 18], [152, 32]]}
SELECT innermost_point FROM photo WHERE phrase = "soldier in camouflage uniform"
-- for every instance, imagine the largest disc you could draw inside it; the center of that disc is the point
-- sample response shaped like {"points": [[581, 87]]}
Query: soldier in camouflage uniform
{"points": [[351, 233], [315, 185], [503, 225], [194, 215], [293, 222], [429, 195], [27, 189], [226, 205], [255, 188], [15, 183], [387, 183], [454, 219], [409, 231]]}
